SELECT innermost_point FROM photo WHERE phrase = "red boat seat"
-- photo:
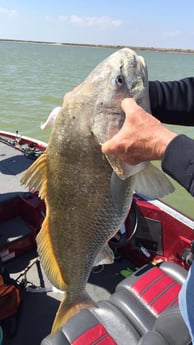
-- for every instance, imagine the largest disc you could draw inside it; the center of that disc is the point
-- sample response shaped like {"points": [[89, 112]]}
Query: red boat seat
{"points": [[97, 326], [142, 311], [147, 293]]}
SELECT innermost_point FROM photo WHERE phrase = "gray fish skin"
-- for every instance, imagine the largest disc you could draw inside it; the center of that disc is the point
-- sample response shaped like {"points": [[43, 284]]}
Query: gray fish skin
{"points": [[86, 200]]}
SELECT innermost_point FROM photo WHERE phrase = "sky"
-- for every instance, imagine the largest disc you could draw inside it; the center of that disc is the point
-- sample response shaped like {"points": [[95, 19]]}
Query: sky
{"points": [[135, 23]]}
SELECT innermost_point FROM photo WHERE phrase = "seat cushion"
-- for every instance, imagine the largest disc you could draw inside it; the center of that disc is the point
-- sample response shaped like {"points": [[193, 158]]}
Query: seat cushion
{"points": [[169, 329], [95, 326], [171, 326], [143, 296], [153, 338], [83, 328]]}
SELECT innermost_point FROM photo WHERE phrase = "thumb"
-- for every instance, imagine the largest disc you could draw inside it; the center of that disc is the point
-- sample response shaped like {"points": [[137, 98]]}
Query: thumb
{"points": [[106, 147], [129, 104], [112, 145]]}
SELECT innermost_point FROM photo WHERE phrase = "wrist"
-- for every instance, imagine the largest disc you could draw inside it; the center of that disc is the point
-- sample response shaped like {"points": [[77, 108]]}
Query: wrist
{"points": [[166, 136]]}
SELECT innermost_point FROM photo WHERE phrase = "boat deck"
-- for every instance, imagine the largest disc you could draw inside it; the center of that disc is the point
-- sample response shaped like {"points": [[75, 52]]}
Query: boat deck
{"points": [[13, 163], [39, 306]]}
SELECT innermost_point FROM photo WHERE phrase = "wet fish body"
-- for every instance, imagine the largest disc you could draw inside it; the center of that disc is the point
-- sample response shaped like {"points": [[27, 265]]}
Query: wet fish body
{"points": [[87, 199]]}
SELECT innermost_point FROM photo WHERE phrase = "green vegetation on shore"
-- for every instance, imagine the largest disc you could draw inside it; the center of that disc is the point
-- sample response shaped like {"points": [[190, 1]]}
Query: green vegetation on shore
{"points": [[178, 50]]}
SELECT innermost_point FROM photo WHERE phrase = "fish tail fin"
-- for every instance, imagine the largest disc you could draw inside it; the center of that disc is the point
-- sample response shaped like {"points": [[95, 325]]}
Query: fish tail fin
{"points": [[152, 182], [67, 310]]}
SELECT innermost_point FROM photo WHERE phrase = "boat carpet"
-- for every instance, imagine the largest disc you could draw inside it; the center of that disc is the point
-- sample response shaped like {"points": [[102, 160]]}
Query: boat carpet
{"points": [[13, 163], [13, 230], [108, 276]]}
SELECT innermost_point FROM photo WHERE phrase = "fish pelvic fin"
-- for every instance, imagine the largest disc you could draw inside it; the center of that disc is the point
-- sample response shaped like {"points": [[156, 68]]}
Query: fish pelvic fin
{"points": [[35, 176], [105, 256], [66, 310], [152, 182]]}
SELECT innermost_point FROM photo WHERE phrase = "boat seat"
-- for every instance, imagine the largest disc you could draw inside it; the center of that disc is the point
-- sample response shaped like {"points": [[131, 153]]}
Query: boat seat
{"points": [[142, 311], [98, 325], [148, 292]]}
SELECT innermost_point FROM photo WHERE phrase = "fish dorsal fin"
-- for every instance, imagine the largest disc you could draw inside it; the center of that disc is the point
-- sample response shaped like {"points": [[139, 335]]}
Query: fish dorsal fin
{"points": [[36, 177]]}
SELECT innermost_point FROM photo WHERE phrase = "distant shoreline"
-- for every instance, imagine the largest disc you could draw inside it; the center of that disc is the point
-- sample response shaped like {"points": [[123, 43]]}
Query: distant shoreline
{"points": [[174, 50]]}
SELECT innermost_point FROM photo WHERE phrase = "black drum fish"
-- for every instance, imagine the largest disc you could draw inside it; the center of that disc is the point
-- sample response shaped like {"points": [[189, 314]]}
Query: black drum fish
{"points": [[88, 195]]}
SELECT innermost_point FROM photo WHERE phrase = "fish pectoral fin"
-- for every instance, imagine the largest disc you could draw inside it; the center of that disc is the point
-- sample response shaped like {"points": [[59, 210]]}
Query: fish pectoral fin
{"points": [[105, 256], [36, 176], [66, 311], [118, 189], [51, 118], [152, 182]]}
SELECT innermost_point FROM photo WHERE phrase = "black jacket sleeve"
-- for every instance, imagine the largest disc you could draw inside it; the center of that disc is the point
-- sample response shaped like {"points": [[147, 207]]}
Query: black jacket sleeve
{"points": [[172, 102], [178, 161]]}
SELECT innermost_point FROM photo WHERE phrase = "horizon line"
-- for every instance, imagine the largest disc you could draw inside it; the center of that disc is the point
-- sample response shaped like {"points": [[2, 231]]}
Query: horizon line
{"points": [[98, 45]]}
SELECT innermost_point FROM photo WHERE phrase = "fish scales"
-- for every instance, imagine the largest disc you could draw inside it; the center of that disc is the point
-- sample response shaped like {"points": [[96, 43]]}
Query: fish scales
{"points": [[87, 195], [84, 194]]}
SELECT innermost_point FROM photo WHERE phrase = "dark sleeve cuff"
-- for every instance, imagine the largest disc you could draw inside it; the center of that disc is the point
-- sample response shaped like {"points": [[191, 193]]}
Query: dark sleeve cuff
{"points": [[173, 101], [178, 161]]}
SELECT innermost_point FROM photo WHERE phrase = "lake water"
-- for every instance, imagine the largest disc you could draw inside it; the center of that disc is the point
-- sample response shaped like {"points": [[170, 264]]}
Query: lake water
{"points": [[34, 78]]}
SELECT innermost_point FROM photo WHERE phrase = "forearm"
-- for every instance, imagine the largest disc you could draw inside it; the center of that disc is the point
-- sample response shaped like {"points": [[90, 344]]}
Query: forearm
{"points": [[173, 102], [178, 161]]}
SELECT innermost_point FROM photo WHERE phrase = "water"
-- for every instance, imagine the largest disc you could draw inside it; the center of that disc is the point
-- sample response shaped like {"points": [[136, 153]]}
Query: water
{"points": [[35, 77]]}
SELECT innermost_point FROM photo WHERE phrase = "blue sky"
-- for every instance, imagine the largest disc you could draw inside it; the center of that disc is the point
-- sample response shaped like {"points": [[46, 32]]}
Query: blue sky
{"points": [[165, 24]]}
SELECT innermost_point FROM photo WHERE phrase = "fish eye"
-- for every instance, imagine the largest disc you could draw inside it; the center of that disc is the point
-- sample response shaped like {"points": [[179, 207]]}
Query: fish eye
{"points": [[118, 80]]}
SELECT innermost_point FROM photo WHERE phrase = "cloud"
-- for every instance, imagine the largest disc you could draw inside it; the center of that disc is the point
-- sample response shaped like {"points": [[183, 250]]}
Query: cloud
{"points": [[172, 34], [103, 21], [63, 18], [48, 18], [8, 12], [94, 21]]}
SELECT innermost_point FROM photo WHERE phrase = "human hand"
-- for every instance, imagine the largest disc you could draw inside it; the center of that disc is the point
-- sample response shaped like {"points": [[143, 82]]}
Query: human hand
{"points": [[141, 138]]}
